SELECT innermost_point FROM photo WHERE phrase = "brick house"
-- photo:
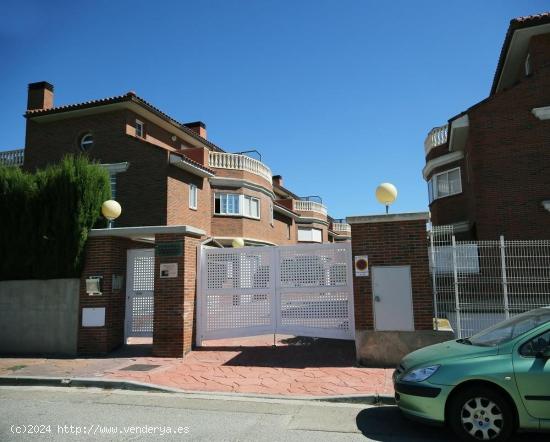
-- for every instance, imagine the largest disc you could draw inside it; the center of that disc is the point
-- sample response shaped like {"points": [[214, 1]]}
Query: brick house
{"points": [[166, 173], [488, 168]]}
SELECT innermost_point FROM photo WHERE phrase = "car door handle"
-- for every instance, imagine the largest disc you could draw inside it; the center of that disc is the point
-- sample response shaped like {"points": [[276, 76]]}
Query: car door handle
{"points": [[377, 298]]}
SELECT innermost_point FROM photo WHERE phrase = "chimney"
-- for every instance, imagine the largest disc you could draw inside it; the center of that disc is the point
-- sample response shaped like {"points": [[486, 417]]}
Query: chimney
{"points": [[277, 180], [198, 127], [40, 95]]}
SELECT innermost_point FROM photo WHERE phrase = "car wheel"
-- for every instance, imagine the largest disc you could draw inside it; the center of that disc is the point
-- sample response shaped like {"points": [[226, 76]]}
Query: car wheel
{"points": [[479, 414]]}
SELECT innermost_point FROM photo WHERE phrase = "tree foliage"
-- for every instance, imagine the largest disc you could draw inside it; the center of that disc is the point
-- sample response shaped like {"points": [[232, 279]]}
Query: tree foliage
{"points": [[45, 218]]}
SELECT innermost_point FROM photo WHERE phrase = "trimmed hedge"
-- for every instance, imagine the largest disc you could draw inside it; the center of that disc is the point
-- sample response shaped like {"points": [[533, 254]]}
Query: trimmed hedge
{"points": [[45, 218]]}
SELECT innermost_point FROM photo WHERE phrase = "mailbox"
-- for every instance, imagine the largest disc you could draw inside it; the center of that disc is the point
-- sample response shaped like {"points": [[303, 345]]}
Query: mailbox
{"points": [[93, 285]]}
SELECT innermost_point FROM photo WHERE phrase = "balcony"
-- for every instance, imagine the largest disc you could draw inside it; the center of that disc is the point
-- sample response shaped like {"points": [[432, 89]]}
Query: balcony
{"points": [[12, 158], [310, 206], [233, 161], [436, 137], [341, 228]]}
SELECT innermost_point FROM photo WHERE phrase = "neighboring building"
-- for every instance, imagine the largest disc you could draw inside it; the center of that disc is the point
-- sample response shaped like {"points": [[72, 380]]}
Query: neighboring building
{"points": [[488, 169], [167, 173]]}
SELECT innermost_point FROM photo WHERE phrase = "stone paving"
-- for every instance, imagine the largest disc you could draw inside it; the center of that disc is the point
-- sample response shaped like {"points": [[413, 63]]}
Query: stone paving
{"points": [[296, 366]]}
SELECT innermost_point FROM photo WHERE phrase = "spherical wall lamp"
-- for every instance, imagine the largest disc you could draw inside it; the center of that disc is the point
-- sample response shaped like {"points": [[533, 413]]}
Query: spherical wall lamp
{"points": [[111, 210], [237, 243], [386, 193]]}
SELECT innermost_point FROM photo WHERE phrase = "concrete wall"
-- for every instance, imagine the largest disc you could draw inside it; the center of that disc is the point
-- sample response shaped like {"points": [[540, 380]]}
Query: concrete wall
{"points": [[39, 317], [387, 348]]}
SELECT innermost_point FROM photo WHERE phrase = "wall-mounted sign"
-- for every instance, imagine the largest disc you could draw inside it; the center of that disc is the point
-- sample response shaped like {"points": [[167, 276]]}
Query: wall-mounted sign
{"points": [[362, 265], [169, 248], [169, 270]]}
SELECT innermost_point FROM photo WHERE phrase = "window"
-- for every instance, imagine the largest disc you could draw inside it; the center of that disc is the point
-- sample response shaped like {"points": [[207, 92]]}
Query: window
{"points": [[310, 235], [445, 184], [227, 204], [505, 331], [251, 206], [235, 204], [193, 196], [86, 142], [288, 231], [535, 345], [271, 213], [140, 129], [528, 65]]}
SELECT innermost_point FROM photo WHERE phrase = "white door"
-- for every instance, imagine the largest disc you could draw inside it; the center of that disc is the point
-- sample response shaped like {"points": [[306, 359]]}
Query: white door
{"points": [[392, 298], [140, 301]]}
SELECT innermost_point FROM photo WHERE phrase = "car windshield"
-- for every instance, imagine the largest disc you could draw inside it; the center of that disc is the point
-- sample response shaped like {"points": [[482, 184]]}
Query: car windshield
{"points": [[505, 331]]}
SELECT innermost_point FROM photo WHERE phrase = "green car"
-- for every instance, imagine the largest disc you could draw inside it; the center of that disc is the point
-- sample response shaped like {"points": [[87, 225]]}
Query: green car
{"points": [[484, 387]]}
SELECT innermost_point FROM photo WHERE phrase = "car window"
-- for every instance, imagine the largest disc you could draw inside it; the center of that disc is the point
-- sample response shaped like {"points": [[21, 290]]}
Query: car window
{"points": [[535, 345], [512, 328]]}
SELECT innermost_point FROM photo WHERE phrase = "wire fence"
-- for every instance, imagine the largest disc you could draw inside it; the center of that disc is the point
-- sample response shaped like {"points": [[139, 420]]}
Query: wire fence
{"points": [[479, 283]]}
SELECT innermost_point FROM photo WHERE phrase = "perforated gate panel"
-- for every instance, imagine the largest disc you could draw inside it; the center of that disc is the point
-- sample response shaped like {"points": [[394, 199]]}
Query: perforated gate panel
{"points": [[302, 290], [140, 293]]}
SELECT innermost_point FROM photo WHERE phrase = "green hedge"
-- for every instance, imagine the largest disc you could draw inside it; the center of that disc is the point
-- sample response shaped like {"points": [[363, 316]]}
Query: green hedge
{"points": [[45, 218]]}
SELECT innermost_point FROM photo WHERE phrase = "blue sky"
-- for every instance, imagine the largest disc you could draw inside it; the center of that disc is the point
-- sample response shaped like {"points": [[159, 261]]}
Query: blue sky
{"points": [[337, 96]]}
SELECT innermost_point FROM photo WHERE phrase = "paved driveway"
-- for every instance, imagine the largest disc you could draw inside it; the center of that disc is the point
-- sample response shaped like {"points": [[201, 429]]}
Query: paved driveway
{"points": [[294, 367]]}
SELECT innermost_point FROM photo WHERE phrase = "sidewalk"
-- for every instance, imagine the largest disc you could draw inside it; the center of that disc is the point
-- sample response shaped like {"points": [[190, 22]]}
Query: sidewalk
{"points": [[296, 367]]}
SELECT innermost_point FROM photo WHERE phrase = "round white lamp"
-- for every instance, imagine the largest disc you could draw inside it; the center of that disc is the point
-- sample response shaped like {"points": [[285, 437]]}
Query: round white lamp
{"points": [[237, 243], [111, 210], [386, 193]]}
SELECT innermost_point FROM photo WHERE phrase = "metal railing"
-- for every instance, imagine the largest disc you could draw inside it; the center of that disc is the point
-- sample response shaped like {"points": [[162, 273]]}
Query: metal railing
{"points": [[479, 283], [233, 161], [436, 137], [13, 158], [341, 227], [310, 206]]}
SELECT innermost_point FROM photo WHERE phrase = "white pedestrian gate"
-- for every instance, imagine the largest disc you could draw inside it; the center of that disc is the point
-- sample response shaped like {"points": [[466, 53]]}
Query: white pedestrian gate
{"points": [[304, 290], [140, 280]]}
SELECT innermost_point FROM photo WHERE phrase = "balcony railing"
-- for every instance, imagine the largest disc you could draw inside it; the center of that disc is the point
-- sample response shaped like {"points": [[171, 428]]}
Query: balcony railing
{"points": [[436, 137], [12, 158], [233, 161], [341, 227], [310, 206]]}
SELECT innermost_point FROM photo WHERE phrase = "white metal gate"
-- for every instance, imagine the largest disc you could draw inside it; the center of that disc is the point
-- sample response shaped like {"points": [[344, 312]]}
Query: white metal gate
{"points": [[140, 279], [304, 290]]}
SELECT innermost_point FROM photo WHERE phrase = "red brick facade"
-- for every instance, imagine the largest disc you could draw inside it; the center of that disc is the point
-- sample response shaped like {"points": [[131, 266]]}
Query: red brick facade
{"points": [[505, 170], [152, 191], [394, 242]]}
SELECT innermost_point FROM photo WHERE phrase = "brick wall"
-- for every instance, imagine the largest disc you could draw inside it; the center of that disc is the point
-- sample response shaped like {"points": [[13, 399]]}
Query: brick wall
{"points": [[393, 243], [104, 257], [174, 322], [507, 159]]}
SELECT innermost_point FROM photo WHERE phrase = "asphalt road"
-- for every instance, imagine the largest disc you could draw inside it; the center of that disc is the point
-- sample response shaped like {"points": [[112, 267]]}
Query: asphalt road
{"points": [[93, 414]]}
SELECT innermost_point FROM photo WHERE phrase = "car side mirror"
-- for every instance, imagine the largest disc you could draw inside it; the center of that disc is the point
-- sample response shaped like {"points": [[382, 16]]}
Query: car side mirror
{"points": [[544, 354]]}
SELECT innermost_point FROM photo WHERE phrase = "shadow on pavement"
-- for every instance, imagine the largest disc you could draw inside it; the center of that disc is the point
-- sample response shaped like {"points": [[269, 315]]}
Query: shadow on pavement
{"points": [[388, 424], [297, 352]]}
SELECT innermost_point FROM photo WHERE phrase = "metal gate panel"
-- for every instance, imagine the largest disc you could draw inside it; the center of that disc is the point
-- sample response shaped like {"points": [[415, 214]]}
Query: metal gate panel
{"points": [[302, 290], [140, 299], [316, 291], [236, 296]]}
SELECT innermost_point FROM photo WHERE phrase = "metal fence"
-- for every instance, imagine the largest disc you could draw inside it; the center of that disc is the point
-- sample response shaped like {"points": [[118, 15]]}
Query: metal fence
{"points": [[479, 283]]}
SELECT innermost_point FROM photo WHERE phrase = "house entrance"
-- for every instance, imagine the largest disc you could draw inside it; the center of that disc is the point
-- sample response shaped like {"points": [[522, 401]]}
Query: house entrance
{"points": [[140, 279]]}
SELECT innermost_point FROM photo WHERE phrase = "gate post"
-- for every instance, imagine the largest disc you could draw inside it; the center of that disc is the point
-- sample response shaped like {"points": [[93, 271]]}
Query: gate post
{"points": [[175, 294], [504, 277], [457, 295]]}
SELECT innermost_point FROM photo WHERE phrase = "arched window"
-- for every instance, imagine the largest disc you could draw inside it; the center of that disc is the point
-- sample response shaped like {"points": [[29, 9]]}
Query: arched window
{"points": [[86, 142]]}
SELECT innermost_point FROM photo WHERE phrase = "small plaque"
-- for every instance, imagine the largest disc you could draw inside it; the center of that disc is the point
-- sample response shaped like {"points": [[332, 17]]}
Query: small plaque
{"points": [[169, 248], [169, 270], [362, 265], [93, 317]]}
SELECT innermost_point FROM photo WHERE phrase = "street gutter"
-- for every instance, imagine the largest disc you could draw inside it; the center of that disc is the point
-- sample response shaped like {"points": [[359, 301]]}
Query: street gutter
{"points": [[108, 384]]}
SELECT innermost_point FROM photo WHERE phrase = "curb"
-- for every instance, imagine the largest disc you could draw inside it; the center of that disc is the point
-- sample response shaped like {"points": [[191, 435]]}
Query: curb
{"points": [[107, 384]]}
